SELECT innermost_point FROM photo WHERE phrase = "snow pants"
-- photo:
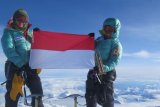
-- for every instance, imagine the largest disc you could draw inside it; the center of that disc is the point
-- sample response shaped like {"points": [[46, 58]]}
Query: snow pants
{"points": [[32, 81], [100, 93]]}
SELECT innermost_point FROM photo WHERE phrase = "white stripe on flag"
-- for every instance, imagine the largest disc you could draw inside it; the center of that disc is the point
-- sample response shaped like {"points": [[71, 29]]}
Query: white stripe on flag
{"points": [[70, 59]]}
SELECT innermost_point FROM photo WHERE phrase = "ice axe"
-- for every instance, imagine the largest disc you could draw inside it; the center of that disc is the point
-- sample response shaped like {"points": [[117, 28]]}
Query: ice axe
{"points": [[74, 96]]}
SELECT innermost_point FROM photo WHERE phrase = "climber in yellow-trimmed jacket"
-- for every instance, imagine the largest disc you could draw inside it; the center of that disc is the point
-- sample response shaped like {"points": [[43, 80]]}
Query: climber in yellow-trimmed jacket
{"points": [[16, 43]]}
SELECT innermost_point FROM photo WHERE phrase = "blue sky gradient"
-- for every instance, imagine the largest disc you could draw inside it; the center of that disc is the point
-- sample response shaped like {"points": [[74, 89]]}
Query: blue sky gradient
{"points": [[139, 34]]}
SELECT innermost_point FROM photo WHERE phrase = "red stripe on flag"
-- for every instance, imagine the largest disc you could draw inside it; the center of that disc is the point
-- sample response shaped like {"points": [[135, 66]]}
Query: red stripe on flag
{"points": [[61, 41]]}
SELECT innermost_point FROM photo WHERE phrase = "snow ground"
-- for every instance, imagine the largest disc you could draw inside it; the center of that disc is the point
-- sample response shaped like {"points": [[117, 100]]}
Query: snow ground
{"points": [[128, 93]]}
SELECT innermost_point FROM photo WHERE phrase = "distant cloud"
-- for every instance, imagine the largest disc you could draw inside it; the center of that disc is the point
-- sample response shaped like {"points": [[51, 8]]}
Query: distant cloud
{"points": [[141, 54], [144, 54]]}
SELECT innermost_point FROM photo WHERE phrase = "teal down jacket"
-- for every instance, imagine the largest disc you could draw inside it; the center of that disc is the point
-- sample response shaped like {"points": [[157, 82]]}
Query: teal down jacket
{"points": [[15, 46], [110, 50]]}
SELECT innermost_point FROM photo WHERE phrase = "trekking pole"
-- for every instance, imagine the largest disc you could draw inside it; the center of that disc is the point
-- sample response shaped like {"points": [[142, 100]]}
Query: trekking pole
{"points": [[36, 101], [75, 101], [24, 88], [98, 78], [99, 61], [4, 82], [99, 67]]}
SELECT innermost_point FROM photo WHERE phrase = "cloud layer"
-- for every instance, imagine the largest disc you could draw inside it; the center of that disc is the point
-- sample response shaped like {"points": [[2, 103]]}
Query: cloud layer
{"points": [[144, 54]]}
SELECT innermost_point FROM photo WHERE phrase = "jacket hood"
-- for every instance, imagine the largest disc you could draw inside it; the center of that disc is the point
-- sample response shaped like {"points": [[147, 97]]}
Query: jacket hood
{"points": [[114, 22]]}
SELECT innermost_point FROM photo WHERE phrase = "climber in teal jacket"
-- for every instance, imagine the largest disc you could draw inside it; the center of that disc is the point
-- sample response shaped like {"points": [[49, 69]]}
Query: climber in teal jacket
{"points": [[109, 49], [16, 44], [108, 44]]}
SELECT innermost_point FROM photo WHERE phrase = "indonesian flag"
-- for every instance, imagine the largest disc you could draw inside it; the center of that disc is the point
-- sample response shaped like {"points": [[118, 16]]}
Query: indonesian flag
{"points": [[52, 50]]}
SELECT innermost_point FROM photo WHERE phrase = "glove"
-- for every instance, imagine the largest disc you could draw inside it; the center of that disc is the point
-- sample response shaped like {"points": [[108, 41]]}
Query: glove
{"points": [[16, 88], [96, 69], [38, 71], [36, 29], [91, 34], [34, 71], [91, 74]]}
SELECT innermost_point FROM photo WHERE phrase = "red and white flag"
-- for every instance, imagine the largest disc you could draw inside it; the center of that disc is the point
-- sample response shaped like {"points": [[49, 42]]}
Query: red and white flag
{"points": [[52, 50]]}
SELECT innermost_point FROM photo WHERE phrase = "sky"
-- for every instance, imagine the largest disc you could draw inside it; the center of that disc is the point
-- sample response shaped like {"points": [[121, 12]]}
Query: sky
{"points": [[139, 34]]}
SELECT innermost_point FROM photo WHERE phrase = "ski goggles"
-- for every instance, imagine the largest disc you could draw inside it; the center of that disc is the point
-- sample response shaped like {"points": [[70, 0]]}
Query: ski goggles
{"points": [[22, 19], [108, 28]]}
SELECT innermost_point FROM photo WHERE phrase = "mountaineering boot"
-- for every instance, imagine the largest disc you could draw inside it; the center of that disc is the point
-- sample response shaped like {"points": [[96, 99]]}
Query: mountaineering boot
{"points": [[39, 102], [108, 104]]}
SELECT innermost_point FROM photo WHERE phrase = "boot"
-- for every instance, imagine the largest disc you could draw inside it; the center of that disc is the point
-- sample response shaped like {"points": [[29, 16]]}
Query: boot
{"points": [[40, 102], [108, 104]]}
